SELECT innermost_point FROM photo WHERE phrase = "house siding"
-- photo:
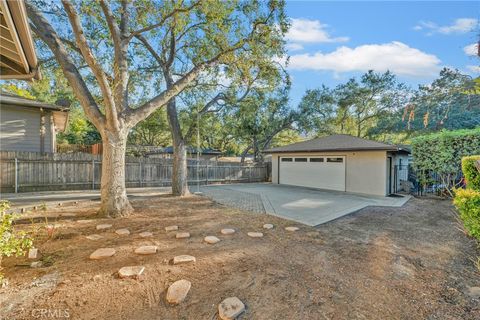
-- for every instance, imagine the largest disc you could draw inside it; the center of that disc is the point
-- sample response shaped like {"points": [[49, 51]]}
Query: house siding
{"points": [[366, 171], [20, 129]]}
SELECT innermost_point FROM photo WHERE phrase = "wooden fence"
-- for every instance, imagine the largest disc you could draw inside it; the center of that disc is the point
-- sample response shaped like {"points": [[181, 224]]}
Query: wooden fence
{"points": [[30, 171]]}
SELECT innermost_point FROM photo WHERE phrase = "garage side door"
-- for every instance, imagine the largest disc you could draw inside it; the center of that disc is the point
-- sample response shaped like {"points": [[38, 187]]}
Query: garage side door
{"points": [[326, 172]]}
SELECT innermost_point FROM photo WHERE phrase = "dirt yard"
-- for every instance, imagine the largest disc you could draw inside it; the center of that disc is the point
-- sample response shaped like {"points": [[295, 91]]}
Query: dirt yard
{"points": [[379, 263]]}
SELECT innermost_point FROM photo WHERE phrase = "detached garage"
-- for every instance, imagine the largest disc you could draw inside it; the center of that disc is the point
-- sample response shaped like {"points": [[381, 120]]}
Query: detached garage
{"points": [[339, 162]]}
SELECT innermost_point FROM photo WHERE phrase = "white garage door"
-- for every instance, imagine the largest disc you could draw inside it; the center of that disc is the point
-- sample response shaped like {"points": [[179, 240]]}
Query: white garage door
{"points": [[325, 172]]}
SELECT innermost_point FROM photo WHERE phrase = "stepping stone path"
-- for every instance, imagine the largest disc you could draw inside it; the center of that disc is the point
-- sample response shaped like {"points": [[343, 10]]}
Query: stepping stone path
{"points": [[230, 308], [102, 253], [292, 229], [131, 272], [33, 253], [145, 234], [178, 291], [268, 226], [227, 231], [255, 234], [94, 237], [184, 259], [122, 232], [144, 250], [182, 235], [171, 228], [103, 226], [211, 239]]}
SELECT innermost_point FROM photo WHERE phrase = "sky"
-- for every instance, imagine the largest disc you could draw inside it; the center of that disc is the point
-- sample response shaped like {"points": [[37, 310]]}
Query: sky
{"points": [[332, 41]]}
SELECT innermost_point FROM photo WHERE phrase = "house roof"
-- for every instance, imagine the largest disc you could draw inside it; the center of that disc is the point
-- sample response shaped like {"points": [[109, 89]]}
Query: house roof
{"points": [[336, 142], [17, 53], [15, 100]]}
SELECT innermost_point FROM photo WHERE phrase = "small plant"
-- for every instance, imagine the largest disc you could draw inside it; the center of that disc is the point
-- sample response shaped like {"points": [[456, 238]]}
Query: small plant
{"points": [[467, 201], [12, 243], [43, 206]]}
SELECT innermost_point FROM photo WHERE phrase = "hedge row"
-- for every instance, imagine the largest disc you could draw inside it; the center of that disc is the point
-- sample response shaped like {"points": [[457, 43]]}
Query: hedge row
{"points": [[442, 152]]}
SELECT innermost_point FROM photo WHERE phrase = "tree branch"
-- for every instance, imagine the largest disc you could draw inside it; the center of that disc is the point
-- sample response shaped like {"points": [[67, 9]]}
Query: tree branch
{"points": [[44, 31]]}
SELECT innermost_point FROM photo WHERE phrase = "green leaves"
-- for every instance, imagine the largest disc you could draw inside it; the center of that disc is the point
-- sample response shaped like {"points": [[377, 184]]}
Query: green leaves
{"points": [[12, 242]]}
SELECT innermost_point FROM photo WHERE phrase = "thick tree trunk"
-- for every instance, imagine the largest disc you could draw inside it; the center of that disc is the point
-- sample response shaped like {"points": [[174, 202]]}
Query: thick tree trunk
{"points": [[114, 196], [179, 174]]}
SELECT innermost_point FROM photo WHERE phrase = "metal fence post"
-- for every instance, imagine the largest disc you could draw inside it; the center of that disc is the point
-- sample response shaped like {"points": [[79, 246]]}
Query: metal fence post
{"points": [[93, 174], [206, 174], [16, 175]]}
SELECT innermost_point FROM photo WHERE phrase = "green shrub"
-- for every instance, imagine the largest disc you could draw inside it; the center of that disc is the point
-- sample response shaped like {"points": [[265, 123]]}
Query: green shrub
{"points": [[467, 201], [12, 243], [442, 153], [471, 173]]}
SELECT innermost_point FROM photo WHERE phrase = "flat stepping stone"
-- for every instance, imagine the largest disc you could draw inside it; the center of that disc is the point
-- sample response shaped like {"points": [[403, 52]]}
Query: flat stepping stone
{"points": [[145, 234], [292, 229], [255, 234], [183, 259], [230, 308], [122, 232], [102, 253], [171, 228], [211, 239], [94, 237], [131, 271], [84, 221], [103, 226], [178, 291], [182, 235], [227, 231], [268, 226], [144, 250]]}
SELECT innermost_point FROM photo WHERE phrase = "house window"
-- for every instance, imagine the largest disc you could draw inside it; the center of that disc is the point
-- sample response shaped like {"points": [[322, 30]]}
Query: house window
{"points": [[339, 160], [287, 159], [300, 159], [316, 159]]}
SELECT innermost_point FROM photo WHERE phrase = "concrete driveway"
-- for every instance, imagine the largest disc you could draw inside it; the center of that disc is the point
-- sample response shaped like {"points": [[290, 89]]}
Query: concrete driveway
{"points": [[308, 206]]}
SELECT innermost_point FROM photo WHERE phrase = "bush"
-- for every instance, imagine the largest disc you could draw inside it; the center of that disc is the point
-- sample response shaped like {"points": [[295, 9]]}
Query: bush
{"points": [[467, 202], [441, 153], [471, 173], [12, 243]]}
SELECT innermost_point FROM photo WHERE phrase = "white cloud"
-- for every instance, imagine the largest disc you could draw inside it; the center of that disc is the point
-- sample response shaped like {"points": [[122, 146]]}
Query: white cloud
{"points": [[394, 56], [310, 31], [294, 46], [461, 25], [471, 50], [475, 69]]}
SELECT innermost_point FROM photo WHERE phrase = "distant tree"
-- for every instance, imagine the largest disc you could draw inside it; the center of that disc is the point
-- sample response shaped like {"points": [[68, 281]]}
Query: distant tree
{"points": [[153, 131]]}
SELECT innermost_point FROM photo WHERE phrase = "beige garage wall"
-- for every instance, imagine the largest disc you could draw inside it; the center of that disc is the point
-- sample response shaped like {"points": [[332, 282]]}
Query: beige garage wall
{"points": [[366, 170]]}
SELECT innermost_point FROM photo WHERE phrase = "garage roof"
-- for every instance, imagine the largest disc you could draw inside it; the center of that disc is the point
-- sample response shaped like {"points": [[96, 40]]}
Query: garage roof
{"points": [[17, 54], [336, 142]]}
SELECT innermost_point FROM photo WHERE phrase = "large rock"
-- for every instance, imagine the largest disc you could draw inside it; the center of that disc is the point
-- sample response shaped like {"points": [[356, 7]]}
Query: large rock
{"points": [[474, 292], [103, 226], [146, 250], [171, 228], [230, 308], [183, 259], [227, 231], [268, 226], [292, 229], [94, 237], [131, 271], [122, 232], [255, 234], [211, 239], [102, 253], [178, 291], [182, 235]]}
